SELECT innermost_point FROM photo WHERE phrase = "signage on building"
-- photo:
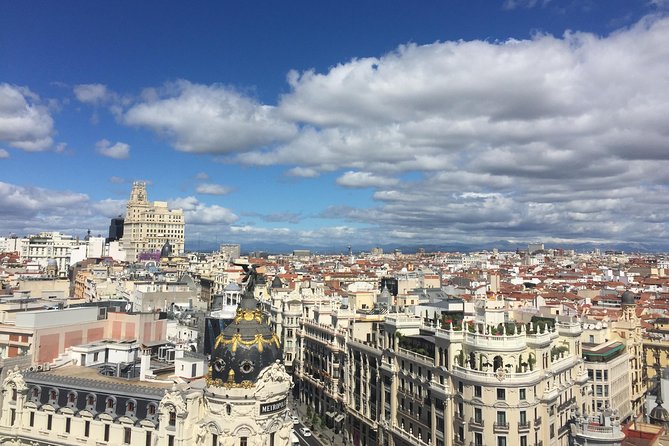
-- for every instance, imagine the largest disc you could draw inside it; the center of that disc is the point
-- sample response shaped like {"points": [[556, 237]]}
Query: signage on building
{"points": [[272, 407]]}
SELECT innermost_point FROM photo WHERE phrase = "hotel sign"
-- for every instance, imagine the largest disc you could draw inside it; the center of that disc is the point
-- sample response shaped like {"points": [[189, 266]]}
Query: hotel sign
{"points": [[272, 407]]}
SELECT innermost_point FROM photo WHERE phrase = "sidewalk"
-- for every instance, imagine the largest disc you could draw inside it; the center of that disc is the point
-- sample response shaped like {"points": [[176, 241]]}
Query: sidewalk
{"points": [[324, 435]]}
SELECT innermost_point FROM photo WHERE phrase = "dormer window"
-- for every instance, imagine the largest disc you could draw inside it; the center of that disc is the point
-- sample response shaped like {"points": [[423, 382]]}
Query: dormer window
{"points": [[110, 403], [71, 398], [130, 406], [53, 395], [152, 409], [35, 392], [90, 400]]}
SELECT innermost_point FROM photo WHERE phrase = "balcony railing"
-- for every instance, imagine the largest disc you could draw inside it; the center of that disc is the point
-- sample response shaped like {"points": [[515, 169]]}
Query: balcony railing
{"points": [[523, 426], [500, 427]]}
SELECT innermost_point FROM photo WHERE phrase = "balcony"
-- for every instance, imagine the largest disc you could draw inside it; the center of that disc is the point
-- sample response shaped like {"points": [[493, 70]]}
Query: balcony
{"points": [[500, 428], [537, 423], [476, 425], [524, 426]]}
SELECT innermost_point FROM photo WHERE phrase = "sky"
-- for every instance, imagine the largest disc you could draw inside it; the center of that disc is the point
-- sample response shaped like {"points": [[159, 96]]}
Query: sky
{"points": [[361, 123]]}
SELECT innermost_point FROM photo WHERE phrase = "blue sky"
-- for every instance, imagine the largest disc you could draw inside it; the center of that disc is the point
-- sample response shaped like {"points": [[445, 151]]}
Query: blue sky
{"points": [[336, 123]]}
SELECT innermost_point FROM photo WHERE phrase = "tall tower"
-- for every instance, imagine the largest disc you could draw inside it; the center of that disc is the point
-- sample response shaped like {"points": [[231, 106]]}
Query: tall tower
{"points": [[148, 226]]}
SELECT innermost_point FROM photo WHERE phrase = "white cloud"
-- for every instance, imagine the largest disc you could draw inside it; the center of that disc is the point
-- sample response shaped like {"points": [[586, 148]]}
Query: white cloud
{"points": [[209, 119], [117, 180], [91, 93], [364, 179], [4, 154], [212, 189], [304, 172], [198, 213], [119, 151], [25, 123], [202, 176]]}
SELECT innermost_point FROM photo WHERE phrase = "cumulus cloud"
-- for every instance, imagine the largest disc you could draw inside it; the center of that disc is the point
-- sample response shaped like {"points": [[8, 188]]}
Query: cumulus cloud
{"points": [[117, 180], [4, 153], [202, 176], [212, 189], [119, 151], [198, 213], [93, 94], [562, 135], [208, 119], [30, 210], [25, 122], [364, 179]]}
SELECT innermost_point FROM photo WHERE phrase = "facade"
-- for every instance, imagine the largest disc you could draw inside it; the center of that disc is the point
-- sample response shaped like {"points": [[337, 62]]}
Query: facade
{"points": [[149, 225]]}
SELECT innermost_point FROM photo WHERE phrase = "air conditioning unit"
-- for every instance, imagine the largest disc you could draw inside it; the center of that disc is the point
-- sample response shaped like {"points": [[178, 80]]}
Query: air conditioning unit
{"points": [[32, 368]]}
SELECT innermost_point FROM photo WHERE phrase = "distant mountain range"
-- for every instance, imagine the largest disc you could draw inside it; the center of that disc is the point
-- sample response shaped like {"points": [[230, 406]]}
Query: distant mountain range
{"points": [[501, 245]]}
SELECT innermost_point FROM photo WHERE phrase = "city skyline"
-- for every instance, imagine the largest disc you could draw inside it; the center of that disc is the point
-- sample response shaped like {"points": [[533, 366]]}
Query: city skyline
{"points": [[329, 125]]}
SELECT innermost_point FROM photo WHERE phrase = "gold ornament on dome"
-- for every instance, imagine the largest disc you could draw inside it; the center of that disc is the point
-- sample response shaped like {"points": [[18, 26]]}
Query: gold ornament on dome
{"points": [[248, 315], [236, 339]]}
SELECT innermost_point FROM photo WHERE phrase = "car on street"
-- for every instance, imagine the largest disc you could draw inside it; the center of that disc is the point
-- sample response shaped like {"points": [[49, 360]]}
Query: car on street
{"points": [[295, 419], [306, 432]]}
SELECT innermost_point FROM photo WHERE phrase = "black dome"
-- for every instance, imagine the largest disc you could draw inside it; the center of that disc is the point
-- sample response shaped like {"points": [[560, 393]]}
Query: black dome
{"points": [[246, 346], [628, 298]]}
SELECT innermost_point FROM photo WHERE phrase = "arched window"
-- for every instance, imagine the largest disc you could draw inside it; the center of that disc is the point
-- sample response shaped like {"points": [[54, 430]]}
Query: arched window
{"points": [[151, 410], [497, 363], [110, 403]]}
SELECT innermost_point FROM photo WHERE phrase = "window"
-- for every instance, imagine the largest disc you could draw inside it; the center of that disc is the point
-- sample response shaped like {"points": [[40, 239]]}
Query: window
{"points": [[552, 430], [478, 439], [87, 428], [67, 425], [214, 440], [49, 422], [110, 403], [170, 440], [173, 418], [32, 418], [107, 432], [501, 417], [477, 391], [478, 415], [501, 394], [461, 387], [271, 439], [523, 440], [14, 394], [127, 435], [523, 417], [522, 394], [243, 441], [131, 406], [152, 409], [71, 398], [148, 438], [501, 441], [13, 416], [90, 400]]}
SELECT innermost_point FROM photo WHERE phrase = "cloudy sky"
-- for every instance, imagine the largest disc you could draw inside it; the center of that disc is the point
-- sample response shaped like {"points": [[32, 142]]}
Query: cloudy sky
{"points": [[336, 123]]}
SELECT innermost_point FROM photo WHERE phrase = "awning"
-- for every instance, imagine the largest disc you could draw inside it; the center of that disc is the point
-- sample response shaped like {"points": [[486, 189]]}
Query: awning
{"points": [[338, 418]]}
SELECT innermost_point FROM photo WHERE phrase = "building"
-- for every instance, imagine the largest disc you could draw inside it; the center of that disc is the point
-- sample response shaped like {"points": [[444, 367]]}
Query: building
{"points": [[115, 229], [241, 400], [230, 251], [149, 225]]}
